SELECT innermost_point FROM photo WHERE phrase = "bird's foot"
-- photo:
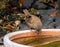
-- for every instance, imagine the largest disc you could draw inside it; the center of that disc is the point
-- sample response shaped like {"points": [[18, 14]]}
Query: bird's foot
{"points": [[37, 33]]}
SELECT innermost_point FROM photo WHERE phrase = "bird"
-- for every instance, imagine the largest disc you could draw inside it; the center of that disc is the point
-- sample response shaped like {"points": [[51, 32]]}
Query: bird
{"points": [[32, 21]]}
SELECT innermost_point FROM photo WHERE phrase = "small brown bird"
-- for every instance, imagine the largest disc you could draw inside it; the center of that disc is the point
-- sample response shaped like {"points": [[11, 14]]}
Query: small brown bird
{"points": [[32, 21]]}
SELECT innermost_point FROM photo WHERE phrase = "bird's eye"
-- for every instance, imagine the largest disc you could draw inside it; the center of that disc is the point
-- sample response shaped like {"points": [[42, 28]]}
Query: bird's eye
{"points": [[28, 16]]}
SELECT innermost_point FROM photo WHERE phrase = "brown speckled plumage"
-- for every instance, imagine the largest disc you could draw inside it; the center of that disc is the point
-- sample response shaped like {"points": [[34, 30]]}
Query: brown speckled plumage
{"points": [[33, 22]]}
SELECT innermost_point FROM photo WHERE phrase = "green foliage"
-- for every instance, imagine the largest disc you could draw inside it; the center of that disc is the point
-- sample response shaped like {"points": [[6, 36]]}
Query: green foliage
{"points": [[34, 11]]}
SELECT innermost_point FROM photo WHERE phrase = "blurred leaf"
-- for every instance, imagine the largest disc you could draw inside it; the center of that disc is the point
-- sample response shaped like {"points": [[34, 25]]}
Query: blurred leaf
{"points": [[34, 11], [3, 4]]}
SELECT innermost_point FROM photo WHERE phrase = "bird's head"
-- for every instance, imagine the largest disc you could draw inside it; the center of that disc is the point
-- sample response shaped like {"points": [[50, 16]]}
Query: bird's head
{"points": [[28, 18], [28, 15]]}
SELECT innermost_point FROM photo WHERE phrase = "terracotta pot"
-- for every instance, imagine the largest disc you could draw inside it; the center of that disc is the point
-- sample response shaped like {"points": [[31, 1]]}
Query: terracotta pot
{"points": [[26, 33]]}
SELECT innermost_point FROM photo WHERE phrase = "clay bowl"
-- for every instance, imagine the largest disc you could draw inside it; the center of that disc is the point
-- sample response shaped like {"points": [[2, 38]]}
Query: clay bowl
{"points": [[13, 39]]}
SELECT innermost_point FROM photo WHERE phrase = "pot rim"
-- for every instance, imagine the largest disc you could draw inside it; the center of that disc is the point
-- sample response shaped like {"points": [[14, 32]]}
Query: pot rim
{"points": [[6, 37]]}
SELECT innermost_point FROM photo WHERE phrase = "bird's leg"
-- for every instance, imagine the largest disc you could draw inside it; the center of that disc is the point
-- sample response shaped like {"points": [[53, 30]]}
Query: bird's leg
{"points": [[38, 32], [31, 29]]}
